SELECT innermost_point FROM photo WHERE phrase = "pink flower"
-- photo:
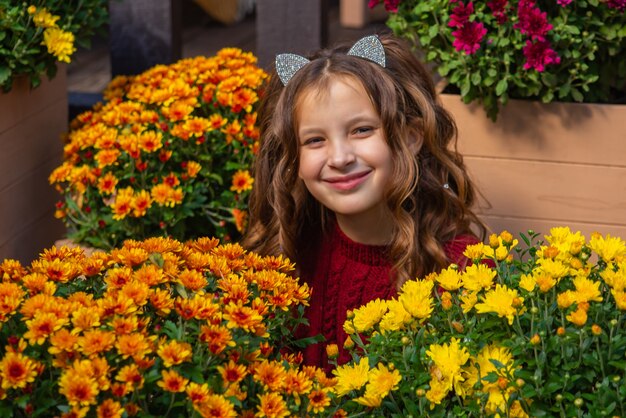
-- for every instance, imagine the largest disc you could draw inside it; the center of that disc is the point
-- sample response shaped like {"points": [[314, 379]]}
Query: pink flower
{"points": [[390, 5], [539, 54], [563, 3], [461, 14], [532, 21], [498, 7], [468, 37], [617, 4]]}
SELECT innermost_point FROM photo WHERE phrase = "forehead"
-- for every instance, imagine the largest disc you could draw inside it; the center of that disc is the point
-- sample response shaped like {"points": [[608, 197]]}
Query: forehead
{"points": [[321, 90]]}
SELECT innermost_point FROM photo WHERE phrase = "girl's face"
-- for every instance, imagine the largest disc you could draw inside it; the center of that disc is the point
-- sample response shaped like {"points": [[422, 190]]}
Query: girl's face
{"points": [[344, 159]]}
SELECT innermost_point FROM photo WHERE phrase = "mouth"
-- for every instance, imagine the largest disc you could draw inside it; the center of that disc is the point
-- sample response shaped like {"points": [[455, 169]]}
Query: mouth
{"points": [[349, 182]]}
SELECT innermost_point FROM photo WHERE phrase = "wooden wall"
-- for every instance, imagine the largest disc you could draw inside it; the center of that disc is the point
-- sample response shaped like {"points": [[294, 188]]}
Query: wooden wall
{"points": [[31, 122], [545, 165]]}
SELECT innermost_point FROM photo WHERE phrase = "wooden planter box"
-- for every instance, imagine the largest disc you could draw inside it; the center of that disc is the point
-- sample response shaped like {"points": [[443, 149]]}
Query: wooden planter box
{"points": [[544, 165], [31, 123]]}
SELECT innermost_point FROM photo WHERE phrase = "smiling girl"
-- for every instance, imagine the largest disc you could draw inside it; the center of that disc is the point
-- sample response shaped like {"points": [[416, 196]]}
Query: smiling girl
{"points": [[357, 179]]}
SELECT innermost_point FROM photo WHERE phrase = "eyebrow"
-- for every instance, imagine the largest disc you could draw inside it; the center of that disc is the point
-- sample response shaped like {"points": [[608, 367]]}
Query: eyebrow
{"points": [[358, 118]]}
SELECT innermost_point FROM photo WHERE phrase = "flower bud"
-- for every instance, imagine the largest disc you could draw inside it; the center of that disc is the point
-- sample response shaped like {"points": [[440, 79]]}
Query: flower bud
{"points": [[457, 326], [520, 383], [559, 398], [503, 382], [578, 402], [507, 237], [560, 331], [596, 330], [332, 351], [348, 344], [535, 340], [420, 392], [534, 310], [493, 241], [405, 340]]}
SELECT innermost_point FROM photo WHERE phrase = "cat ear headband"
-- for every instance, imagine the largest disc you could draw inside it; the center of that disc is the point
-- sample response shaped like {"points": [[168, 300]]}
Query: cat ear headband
{"points": [[368, 47]]}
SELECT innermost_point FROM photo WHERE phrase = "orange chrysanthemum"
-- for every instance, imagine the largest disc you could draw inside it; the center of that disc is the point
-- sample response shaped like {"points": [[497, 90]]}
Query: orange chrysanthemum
{"points": [[242, 181], [171, 381], [198, 393], [79, 390], [17, 370], [217, 337], [272, 405], [232, 372], [96, 341], [270, 374], [110, 408], [130, 376], [216, 406], [135, 345], [174, 352], [42, 326]]}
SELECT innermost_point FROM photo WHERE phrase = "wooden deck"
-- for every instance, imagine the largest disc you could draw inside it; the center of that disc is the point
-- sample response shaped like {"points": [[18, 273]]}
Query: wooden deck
{"points": [[90, 70]]}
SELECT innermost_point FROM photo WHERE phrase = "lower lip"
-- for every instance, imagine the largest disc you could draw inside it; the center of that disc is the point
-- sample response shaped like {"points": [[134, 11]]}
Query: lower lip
{"points": [[349, 184]]}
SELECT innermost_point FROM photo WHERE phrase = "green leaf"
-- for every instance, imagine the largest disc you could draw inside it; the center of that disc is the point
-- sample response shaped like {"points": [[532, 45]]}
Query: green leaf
{"points": [[501, 87], [577, 95], [5, 73], [476, 78]]}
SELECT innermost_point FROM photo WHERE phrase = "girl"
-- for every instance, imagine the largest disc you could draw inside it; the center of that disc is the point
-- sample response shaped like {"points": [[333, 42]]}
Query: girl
{"points": [[357, 179]]}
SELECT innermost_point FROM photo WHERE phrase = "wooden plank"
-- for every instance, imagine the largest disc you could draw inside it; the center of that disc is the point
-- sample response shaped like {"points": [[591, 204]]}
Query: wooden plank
{"points": [[517, 225], [27, 202], [31, 143], [297, 27], [560, 192], [557, 132], [33, 239], [22, 102]]}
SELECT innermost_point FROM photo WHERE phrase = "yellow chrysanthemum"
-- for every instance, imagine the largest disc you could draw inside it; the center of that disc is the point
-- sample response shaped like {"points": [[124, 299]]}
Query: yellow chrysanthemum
{"points": [[483, 365], [478, 277], [42, 18], [59, 43], [554, 268], [448, 360], [502, 301], [381, 381], [395, 318], [608, 248], [578, 317], [615, 276], [449, 279], [586, 290], [351, 377], [215, 406], [369, 315], [416, 297], [468, 301], [527, 282]]}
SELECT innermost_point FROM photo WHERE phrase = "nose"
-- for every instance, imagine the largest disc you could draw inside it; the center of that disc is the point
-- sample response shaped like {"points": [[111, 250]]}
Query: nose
{"points": [[341, 153]]}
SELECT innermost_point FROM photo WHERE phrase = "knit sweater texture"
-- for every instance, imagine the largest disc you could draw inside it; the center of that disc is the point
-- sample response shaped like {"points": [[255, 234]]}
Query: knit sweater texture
{"points": [[344, 275]]}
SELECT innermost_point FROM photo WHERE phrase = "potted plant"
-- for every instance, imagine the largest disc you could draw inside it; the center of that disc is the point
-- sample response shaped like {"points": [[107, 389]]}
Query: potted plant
{"points": [[168, 153], [37, 39], [491, 51], [552, 75], [539, 334], [38, 35]]}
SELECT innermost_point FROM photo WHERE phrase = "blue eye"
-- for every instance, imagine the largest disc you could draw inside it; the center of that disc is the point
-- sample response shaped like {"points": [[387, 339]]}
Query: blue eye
{"points": [[362, 130], [312, 141]]}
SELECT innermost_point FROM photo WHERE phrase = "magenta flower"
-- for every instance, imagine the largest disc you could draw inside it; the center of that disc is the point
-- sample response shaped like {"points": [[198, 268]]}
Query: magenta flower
{"points": [[390, 5], [468, 37], [532, 21], [498, 8], [461, 14], [563, 3], [539, 54], [617, 4]]}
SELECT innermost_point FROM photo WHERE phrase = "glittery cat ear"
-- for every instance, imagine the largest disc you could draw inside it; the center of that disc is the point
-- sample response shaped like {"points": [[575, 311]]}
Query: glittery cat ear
{"points": [[369, 48], [289, 64]]}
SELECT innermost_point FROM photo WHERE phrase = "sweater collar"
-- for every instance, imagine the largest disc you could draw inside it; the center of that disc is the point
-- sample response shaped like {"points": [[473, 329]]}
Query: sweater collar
{"points": [[373, 255]]}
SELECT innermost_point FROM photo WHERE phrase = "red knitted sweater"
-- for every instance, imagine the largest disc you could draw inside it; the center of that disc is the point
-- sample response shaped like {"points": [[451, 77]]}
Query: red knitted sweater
{"points": [[344, 275]]}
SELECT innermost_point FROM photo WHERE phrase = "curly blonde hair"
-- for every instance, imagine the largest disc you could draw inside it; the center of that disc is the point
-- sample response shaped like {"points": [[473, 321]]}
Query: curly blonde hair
{"points": [[430, 195]]}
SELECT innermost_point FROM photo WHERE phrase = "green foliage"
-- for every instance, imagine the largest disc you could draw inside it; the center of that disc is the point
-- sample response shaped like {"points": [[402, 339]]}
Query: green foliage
{"points": [[23, 51], [539, 333], [589, 38]]}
